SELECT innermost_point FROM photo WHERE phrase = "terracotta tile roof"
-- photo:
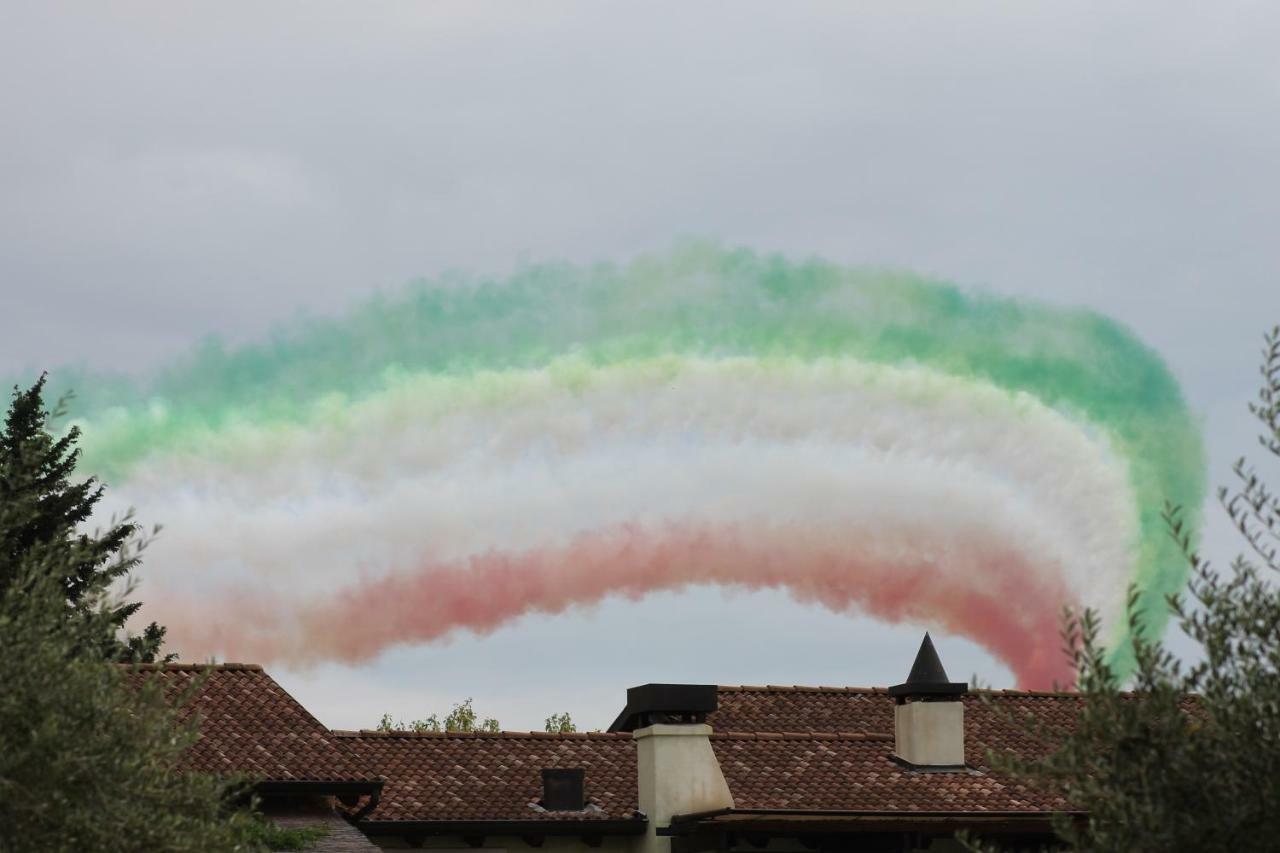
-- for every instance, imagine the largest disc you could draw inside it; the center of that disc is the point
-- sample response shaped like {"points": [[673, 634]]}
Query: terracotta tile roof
{"points": [[855, 772], [779, 747], [839, 760], [494, 776], [831, 750], [250, 725], [802, 709], [870, 710]]}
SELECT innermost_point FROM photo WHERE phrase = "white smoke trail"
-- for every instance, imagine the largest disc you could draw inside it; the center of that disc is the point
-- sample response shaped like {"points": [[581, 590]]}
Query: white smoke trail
{"points": [[900, 460]]}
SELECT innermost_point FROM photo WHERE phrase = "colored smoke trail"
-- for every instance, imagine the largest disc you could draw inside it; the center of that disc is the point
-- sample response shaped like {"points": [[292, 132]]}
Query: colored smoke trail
{"points": [[489, 589], [700, 390]]}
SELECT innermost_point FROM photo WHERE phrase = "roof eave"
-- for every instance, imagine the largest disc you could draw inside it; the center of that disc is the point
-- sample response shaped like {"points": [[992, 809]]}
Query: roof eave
{"points": [[681, 824], [335, 787], [598, 826]]}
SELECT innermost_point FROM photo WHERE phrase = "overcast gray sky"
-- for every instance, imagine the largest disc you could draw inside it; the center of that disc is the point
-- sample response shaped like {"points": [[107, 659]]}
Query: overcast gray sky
{"points": [[174, 170]]}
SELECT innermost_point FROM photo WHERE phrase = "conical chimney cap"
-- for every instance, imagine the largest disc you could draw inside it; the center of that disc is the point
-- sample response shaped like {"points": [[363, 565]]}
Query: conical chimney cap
{"points": [[928, 678]]}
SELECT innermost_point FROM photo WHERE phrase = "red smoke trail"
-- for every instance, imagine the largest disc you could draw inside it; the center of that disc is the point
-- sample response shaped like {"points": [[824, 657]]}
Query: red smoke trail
{"points": [[1008, 605]]}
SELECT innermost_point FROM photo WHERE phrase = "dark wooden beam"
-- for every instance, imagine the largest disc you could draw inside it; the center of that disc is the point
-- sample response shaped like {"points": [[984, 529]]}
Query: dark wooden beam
{"points": [[699, 841]]}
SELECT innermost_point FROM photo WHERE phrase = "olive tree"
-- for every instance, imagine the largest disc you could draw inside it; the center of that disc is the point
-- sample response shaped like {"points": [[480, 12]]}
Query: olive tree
{"points": [[1184, 755]]}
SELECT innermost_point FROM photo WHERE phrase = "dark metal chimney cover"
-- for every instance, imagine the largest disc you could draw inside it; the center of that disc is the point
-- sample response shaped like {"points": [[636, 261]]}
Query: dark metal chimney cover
{"points": [[665, 703], [927, 677], [563, 789]]}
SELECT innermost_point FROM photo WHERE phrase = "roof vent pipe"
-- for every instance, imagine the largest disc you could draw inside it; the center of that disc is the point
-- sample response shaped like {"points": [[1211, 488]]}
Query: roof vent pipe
{"points": [[563, 789]]}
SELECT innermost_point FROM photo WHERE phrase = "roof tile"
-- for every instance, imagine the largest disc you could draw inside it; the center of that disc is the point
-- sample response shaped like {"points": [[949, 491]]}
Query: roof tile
{"points": [[854, 709], [825, 772], [250, 725], [453, 776]]}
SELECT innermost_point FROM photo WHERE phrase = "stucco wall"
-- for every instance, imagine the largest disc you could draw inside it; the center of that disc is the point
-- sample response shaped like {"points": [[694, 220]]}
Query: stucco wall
{"points": [[930, 733]]}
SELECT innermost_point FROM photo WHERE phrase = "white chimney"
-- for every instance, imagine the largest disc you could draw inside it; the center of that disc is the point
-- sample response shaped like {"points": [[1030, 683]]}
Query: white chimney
{"points": [[676, 768], [928, 720], [678, 772]]}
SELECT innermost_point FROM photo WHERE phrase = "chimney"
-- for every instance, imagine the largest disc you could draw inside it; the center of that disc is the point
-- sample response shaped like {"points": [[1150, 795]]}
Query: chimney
{"points": [[563, 789], [928, 719], [677, 769]]}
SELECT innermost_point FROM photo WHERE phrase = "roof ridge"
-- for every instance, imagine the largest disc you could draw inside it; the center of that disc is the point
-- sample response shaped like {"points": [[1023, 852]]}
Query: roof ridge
{"points": [[796, 688], [501, 735], [877, 737], [1006, 691], [194, 667], [1055, 694], [799, 688]]}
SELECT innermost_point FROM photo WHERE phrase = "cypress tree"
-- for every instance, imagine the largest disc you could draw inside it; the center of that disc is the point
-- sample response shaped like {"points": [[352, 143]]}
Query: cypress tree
{"points": [[42, 510]]}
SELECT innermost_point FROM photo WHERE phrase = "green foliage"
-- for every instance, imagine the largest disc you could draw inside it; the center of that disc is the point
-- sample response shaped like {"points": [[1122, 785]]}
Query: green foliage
{"points": [[560, 723], [262, 833], [462, 718], [87, 763], [1189, 759], [42, 508]]}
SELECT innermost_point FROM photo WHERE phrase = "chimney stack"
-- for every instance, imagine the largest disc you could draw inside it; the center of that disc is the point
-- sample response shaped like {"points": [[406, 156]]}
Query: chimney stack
{"points": [[677, 769], [928, 719]]}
